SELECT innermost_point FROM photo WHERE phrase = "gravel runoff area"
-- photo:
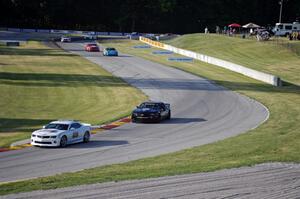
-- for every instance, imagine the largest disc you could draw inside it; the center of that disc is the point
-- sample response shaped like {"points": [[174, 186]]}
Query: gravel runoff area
{"points": [[270, 180]]}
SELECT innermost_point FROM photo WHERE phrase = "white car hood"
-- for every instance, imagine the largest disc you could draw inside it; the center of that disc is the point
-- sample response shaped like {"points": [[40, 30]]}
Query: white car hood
{"points": [[48, 132]]}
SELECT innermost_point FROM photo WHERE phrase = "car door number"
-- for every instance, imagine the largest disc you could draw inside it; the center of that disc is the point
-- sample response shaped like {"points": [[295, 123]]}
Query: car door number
{"points": [[75, 134]]}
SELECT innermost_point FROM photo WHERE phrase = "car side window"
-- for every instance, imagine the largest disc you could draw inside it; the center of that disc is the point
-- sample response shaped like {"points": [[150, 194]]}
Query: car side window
{"points": [[162, 106], [75, 126]]}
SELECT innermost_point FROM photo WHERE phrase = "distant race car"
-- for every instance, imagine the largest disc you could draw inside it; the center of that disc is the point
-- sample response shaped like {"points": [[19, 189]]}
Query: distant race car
{"points": [[65, 39], [61, 133], [90, 36], [110, 52], [91, 48], [151, 111]]}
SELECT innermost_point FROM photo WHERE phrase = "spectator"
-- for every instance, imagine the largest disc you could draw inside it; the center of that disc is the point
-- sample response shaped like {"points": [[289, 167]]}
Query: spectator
{"points": [[251, 31], [225, 29], [217, 29], [206, 30]]}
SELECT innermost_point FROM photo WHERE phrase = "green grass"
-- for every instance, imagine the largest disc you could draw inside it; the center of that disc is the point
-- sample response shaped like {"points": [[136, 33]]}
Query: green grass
{"points": [[277, 140], [278, 56], [39, 84]]}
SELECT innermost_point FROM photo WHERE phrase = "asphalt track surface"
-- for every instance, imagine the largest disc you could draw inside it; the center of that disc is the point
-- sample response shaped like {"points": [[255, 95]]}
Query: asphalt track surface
{"points": [[202, 113], [262, 181]]}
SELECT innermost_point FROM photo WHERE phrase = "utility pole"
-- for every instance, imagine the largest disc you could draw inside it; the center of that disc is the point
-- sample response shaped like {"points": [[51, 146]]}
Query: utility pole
{"points": [[280, 13]]}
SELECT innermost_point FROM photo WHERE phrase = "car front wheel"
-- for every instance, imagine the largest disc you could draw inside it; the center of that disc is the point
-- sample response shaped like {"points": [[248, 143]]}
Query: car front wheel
{"points": [[86, 137], [63, 141], [169, 115], [133, 119]]}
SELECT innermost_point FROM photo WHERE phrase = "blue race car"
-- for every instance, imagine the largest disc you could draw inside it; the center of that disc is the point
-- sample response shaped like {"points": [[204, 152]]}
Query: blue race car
{"points": [[110, 52]]}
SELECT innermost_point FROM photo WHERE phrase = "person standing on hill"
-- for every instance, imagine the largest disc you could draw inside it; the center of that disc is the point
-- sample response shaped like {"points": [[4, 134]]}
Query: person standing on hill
{"points": [[206, 30]]}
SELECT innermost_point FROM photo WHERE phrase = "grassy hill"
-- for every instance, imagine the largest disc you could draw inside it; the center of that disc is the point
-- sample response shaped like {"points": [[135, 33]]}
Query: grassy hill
{"points": [[278, 57], [39, 84]]}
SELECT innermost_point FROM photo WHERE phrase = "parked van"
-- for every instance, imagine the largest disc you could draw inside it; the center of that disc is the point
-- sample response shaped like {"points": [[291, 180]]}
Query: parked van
{"points": [[284, 29]]}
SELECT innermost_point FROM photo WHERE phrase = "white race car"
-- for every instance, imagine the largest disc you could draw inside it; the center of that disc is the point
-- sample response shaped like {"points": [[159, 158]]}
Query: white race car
{"points": [[65, 39], [61, 133]]}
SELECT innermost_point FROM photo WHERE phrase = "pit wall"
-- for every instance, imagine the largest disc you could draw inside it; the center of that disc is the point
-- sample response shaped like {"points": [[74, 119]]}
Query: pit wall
{"points": [[264, 77]]}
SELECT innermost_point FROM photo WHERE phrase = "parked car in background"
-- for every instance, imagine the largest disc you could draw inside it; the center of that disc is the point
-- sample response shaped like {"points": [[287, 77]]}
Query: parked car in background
{"points": [[151, 111], [285, 29], [65, 39], [91, 47], [110, 52], [61, 133]]}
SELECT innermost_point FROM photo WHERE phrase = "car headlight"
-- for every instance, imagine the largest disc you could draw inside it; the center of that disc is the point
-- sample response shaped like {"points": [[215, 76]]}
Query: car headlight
{"points": [[33, 135], [53, 136]]}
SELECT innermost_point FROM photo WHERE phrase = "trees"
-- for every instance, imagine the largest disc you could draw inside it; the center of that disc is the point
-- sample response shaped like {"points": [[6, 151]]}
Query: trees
{"points": [[141, 15]]}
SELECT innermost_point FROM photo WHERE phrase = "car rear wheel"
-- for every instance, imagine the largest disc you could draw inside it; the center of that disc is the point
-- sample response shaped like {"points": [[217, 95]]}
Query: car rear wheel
{"points": [[169, 115], [86, 137], [63, 141]]}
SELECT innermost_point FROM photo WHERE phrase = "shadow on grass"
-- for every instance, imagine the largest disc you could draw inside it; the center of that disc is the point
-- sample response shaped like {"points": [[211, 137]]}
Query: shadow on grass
{"points": [[77, 80], [261, 87], [54, 80], [33, 52], [20, 125]]}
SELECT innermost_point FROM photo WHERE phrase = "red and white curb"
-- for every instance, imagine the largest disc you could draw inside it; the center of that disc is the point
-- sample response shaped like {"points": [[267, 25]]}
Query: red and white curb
{"points": [[95, 130]]}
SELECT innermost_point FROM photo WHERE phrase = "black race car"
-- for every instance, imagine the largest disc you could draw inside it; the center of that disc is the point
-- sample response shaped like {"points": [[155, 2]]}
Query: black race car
{"points": [[151, 111]]}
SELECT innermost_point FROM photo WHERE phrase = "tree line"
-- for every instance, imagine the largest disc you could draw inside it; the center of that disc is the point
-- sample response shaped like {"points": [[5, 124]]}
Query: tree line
{"points": [[175, 16]]}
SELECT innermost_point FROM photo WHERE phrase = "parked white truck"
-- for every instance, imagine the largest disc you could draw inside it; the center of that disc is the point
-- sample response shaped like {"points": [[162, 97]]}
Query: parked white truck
{"points": [[284, 29]]}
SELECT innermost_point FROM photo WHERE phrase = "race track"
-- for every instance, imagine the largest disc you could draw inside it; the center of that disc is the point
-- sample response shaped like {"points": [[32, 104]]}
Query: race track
{"points": [[202, 113]]}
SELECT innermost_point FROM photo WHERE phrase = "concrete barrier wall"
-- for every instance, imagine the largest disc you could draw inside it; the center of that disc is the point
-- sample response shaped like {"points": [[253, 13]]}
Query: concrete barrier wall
{"points": [[264, 77]]}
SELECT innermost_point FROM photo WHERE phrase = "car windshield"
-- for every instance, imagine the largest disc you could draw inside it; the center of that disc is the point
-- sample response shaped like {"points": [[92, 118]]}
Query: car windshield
{"points": [[57, 126], [149, 105], [110, 49]]}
